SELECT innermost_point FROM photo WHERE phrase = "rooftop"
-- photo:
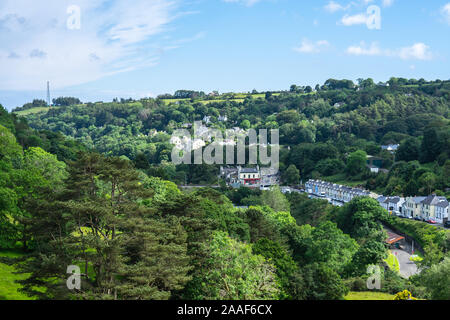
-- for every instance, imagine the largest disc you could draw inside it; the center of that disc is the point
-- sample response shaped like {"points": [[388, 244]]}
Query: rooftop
{"points": [[393, 237]]}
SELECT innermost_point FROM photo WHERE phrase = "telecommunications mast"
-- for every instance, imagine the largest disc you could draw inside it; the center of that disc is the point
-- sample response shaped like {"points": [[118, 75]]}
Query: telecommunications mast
{"points": [[48, 94]]}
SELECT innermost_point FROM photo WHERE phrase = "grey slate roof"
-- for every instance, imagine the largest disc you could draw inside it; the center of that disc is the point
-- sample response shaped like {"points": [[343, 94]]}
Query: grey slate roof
{"points": [[442, 204], [418, 200], [433, 199]]}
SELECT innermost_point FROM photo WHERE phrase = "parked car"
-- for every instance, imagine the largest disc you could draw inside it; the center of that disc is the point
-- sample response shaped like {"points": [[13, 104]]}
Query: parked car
{"points": [[431, 221], [418, 218], [447, 224]]}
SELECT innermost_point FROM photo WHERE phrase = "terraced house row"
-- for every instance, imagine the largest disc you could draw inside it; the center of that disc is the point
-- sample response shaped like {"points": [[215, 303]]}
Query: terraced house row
{"points": [[430, 208], [334, 192]]}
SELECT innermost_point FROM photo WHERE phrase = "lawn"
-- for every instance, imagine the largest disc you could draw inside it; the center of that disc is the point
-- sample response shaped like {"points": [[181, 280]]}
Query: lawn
{"points": [[8, 288], [368, 295], [392, 262]]}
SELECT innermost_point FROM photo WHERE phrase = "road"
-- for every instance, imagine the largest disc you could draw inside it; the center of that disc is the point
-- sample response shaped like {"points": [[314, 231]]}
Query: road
{"points": [[407, 267]]}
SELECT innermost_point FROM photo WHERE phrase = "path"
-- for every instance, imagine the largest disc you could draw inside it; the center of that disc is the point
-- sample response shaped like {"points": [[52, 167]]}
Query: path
{"points": [[407, 267]]}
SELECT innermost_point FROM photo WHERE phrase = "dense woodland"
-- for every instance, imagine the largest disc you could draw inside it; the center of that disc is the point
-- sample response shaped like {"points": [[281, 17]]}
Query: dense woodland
{"points": [[92, 185]]}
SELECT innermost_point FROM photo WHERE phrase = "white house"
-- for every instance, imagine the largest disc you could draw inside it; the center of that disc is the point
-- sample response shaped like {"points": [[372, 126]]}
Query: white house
{"points": [[441, 211], [394, 205], [412, 207], [249, 176], [391, 147]]}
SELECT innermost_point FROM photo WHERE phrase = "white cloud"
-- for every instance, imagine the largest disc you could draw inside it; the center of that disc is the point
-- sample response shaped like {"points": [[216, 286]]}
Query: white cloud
{"points": [[363, 50], [388, 3], [114, 37], [334, 6], [350, 20], [445, 11], [247, 3], [418, 51], [308, 46]]}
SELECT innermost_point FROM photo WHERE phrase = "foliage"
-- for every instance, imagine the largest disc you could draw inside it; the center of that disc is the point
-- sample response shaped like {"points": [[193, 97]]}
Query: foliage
{"points": [[235, 273], [404, 295], [275, 199], [437, 281]]}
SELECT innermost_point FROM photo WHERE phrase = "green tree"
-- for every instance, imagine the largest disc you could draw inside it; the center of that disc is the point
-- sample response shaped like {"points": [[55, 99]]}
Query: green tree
{"points": [[437, 281], [155, 258], [245, 124], [260, 225], [10, 149], [275, 199], [431, 146], [428, 182], [408, 150], [287, 270], [356, 163], [323, 283], [235, 273], [292, 175], [329, 245], [90, 223], [52, 170]]}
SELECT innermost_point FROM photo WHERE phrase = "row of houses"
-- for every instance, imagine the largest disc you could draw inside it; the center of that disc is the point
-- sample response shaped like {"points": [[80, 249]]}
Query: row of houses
{"points": [[334, 192], [432, 207]]}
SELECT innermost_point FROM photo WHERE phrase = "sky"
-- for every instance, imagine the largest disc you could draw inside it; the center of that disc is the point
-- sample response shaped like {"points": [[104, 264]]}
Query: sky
{"points": [[98, 50]]}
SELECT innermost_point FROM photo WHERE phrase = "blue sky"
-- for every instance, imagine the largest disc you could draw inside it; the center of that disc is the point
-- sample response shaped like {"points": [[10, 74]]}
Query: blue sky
{"points": [[101, 49]]}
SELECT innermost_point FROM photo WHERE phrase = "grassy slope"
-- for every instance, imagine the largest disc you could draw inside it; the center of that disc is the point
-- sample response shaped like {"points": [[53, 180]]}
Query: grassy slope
{"points": [[8, 288], [32, 111], [392, 262], [368, 295]]}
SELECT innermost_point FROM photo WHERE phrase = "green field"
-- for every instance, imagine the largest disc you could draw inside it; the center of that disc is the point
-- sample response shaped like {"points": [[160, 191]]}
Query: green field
{"points": [[8, 288], [32, 111], [368, 295], [238, 97]]}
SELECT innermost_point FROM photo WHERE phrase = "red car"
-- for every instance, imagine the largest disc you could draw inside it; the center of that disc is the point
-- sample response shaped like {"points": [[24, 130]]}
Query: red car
{"points": [[431, 221]]}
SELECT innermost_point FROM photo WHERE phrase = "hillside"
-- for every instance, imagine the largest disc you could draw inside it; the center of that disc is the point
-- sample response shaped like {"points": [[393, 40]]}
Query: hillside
{"points": [[320, 128]]}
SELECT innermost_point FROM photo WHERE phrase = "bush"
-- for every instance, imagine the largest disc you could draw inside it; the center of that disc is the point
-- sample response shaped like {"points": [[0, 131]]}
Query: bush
{"points": [[356, 284]]}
